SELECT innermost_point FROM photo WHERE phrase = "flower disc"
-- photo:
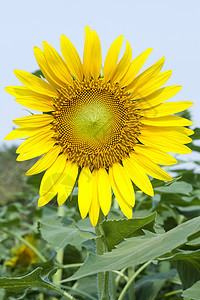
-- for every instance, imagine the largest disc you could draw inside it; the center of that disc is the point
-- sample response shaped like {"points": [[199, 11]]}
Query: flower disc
{"points": [[96, 124]]}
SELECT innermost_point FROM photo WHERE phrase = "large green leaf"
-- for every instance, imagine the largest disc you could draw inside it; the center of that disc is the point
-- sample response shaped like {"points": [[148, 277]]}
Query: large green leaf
{"points": [[117, 230], [193, 293], [60, 232], [138, 250], [178, 187], [33, 279]]}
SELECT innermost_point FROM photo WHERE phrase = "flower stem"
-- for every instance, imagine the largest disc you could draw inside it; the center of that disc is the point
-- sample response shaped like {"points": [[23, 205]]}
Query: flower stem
{"points": [[60, 254], [69, 266], [131, 287], [121, 296], [112, 289], [173, 293], [102, 277]]}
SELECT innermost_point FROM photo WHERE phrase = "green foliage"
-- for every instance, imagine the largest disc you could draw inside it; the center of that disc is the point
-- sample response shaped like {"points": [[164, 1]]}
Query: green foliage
{"points": [[160, 246], [193, 292], [117, 230], [12, 177], [138, 250], [60, 232], [33, 279]]}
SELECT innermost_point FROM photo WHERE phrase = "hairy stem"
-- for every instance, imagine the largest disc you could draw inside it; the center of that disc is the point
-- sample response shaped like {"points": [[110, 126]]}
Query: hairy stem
{"points": [[102, 277], [60, 254]]}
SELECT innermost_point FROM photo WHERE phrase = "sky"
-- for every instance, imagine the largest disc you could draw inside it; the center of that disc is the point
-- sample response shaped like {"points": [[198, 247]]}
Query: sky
{"points": [[170, 27]]}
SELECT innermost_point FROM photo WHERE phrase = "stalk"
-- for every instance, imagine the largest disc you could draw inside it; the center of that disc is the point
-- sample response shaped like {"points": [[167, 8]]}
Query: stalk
{"points": [[102, 277]]}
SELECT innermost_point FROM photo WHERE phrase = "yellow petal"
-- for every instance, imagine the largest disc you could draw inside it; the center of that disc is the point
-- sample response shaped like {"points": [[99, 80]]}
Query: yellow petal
{"points": [[44, 67], [104, 191], [185, 130], [96, 59], [169, 130], [66, 182], [151, 85], [125, 207], [57, 64], [22, 91], [166, 121], [165, 144], [156, 155], [72, 58], [146, 75], [150, 167], [36, 103], [35, 83], [34, 120], [171, 133], [121, 184], [52, 176], [36, 142], [44, 162], [138, 176], [165, 109], [85, 186], [111, 60], [26, 132], [95, 206], [87, 52], [124, 64], [31, 154], [158, 97], [134, 68], [43, 200]]}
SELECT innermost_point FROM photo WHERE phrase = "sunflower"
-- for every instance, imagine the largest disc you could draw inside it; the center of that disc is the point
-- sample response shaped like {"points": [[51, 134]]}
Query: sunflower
{"points": [[23, 255], [104, 128]]}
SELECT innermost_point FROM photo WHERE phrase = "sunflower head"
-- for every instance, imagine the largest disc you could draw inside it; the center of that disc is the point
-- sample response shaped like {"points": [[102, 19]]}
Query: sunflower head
{"points": [[23, 255], [105, 127]]}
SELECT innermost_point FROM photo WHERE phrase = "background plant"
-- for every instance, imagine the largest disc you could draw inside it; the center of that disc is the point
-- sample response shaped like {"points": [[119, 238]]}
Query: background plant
{"points": [[155, 255]]}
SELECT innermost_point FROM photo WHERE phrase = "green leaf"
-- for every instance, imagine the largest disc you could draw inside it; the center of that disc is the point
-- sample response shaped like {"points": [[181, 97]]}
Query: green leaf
{"points": [[47, 266], [138, 250], [149, 286], [183, 255], [33, 279], [190, 211], [178, 200], [193, 292], [60, 232], [195, 242], [2, 294], [117, 230], [196, 135], [178, 187], [38, 73], [194, 147], [189, 271], [188, 266]]}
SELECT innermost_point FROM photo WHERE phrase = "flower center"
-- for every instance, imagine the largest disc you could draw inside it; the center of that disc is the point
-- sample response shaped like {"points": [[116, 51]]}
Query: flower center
{"points": [[96, 123], [93, 121]]}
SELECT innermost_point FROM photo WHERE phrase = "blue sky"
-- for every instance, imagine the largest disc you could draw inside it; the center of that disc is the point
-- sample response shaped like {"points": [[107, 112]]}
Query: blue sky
{"points": [[170, 27]]}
